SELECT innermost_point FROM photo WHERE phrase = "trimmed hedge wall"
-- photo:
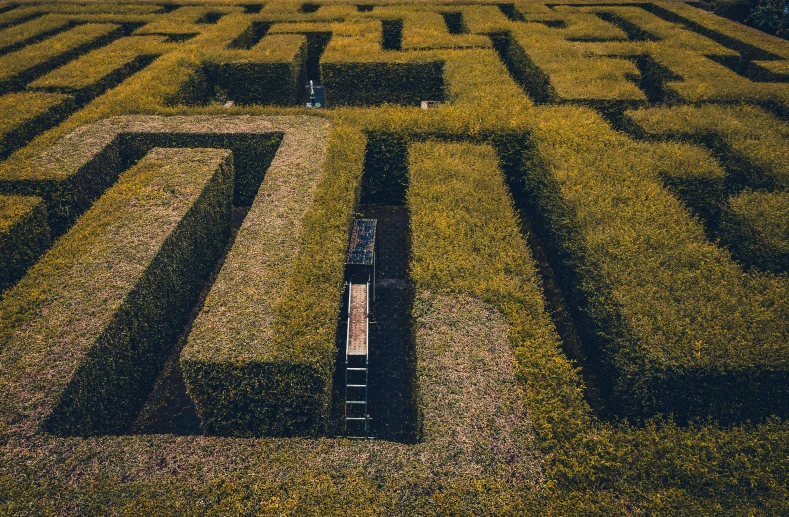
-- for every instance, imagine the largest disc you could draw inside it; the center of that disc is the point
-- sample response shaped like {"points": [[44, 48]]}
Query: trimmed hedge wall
{"points": [[271, 72], [669, 316], [24, 115], [528, 76], [574, 72], [589, 466], [103, 68], [243, 378], [33, 31], [424, 27], [357, 71], [750, 142], [756, 225], [694, 175], [467, 239], [369, 84], [17, 68], [78, 168], [86, 330], [24, 236]]}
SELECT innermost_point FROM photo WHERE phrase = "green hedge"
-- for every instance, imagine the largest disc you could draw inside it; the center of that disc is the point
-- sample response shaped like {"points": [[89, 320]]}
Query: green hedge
{"points": [[573, 70], [694, 175], [23, 34], [24, 115], [590, 467], [756, 226], [357, 71], [533, 80], [79, 167], [87, 329], [663, 468], [466, 238], [244, 379], [750, 142], [252, 152], [369, 84], [103, 68], [24, 236], [272, 72], [671, 319], [19, 67]]}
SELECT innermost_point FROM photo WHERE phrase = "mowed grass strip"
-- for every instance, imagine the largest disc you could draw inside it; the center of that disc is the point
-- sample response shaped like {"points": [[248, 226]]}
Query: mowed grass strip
{"points": [[24, 236], [243, 379], [85, 330], [675, 321]]}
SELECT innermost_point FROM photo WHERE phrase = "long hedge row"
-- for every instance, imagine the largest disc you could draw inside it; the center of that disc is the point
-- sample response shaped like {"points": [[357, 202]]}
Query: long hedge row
{"points": [[24, 235], [735, 133], [242, 377], [24, 115], [17, 68], [356, 71], [78, 168], [271, 72], [89, 325], [467, 239], [751, 145], [23, 34], [97, 71]]}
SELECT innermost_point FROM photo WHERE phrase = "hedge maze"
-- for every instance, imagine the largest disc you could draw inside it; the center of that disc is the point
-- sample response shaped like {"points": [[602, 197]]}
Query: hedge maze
{"points": [[583, 245]]}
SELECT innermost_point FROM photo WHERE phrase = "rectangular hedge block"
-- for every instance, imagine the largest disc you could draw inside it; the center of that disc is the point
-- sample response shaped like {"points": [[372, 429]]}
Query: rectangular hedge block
{"points": [[272, 72], [24, 236], [243, 379], [85, 332], [369, 84]]}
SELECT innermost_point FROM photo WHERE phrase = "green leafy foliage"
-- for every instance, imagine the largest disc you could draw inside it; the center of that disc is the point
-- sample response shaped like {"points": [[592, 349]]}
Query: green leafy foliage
{"points": [[757, 225], [668, 315], [114, 288], [244, 375], [24, 235]]}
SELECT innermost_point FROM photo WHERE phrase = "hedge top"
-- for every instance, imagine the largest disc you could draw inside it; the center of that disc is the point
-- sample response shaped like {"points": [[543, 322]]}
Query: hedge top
{"points": [[75, 150], [14, 209], [54, 317], [236, 324]]}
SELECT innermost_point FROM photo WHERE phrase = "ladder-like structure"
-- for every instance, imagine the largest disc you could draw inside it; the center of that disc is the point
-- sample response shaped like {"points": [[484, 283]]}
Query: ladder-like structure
{"points": [[357, 361], [360, 271]]}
